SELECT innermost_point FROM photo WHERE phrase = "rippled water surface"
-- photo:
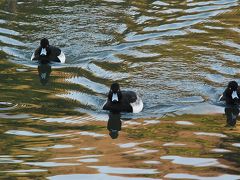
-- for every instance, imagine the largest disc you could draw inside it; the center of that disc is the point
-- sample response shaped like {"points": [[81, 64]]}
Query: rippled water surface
{"points": [[178, 55]]}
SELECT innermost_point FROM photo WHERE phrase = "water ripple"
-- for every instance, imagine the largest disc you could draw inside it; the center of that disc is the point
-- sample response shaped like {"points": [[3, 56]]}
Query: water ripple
{"points": [[4, 106], [211, 8], [21, 171], [99, 88], [50, 164], [197, 162], [95, 176], [172, 26], [10, 41], [9, 32], [115, 170], [190, 176]]}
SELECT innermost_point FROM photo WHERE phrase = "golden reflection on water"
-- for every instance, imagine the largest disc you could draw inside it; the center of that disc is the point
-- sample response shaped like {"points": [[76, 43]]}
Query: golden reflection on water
{"points": [[205, 149]]}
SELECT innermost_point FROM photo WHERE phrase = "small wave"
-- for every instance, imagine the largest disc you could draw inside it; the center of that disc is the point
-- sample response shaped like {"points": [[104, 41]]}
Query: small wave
{"points": [[93, 86], [9, 32], [11, 41], [4, 106]]}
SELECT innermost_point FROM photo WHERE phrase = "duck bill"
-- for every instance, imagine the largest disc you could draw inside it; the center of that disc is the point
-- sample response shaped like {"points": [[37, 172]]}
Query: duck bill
{"points": [[43, 52], [115, 97]]}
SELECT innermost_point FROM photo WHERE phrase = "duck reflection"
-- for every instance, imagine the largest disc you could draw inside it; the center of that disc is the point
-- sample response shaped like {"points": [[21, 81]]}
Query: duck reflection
{"points": [[44, 71], [231, 112], [114, 124]]}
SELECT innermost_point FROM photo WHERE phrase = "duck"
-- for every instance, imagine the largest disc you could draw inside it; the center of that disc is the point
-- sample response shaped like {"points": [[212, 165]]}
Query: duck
{"points": [[231, 94], [46, 53], [231, 97], [122, 101]]}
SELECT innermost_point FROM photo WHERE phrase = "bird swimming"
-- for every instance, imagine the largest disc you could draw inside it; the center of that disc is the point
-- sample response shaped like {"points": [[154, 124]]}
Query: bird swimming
{"points": [[46, 53], [231, 97], [122, 101], [231, 94]]}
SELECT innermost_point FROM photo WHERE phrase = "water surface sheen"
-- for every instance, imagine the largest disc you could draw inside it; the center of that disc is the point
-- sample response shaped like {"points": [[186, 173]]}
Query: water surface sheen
{"points": [[178, 55]]}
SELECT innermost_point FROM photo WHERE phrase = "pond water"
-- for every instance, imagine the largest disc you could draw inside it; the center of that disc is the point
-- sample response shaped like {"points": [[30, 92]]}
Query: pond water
{"points": [[178, 55]]}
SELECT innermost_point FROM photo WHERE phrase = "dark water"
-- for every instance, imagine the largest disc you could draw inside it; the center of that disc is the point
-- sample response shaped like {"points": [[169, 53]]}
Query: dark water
{"points": [[178, 55]]}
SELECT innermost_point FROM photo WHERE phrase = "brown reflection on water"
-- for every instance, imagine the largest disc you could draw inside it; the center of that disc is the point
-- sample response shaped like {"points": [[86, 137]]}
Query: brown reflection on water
{"points": [[141, 150]]}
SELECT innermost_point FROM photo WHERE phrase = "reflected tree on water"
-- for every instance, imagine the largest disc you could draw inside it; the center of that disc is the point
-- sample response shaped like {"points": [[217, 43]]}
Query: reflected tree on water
{"points": [[10, 5]]}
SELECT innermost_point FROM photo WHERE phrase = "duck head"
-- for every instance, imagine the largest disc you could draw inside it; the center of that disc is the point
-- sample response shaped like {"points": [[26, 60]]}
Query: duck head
{"points": [[115, 91], [233, 85], [44, 44]]}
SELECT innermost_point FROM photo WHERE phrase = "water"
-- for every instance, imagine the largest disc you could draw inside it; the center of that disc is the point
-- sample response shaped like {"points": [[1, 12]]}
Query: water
{"points": [[178, 55]]}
